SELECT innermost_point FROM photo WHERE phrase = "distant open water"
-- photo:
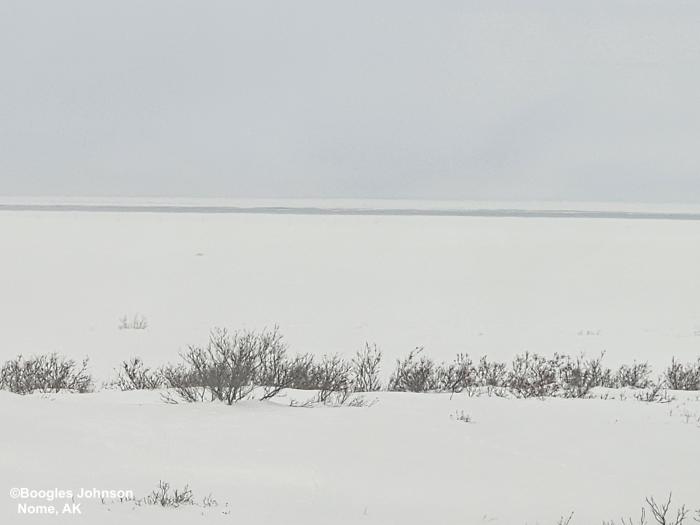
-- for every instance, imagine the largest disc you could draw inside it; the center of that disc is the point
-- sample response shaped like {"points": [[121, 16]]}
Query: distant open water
{"points": [[279, 210]]}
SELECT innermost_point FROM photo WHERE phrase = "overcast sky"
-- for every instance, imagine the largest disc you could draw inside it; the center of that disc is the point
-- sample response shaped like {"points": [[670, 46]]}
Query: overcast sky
{"points": [[437, 99]]}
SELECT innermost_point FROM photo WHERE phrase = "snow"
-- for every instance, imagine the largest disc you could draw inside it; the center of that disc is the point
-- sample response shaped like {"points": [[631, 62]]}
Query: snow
{"points": [[402, 460], [494, 286]]}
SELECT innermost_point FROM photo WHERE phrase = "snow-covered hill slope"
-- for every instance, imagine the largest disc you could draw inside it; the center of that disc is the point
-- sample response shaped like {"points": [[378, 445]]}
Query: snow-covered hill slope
{"points": [[407, 459]]}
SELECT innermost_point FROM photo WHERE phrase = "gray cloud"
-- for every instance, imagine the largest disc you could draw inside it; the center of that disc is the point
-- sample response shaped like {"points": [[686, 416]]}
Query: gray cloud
{"points": [[497, 99]]}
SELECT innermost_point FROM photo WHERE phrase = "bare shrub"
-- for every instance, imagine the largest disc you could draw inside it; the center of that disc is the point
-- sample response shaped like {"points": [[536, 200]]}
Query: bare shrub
{"points": [[458, 375], [655, 392], [414, 374], [45, 373], [565, 520], [301, 371], [332, 378], [461, 416], [634, 376], [360, 401], [336, 399], [308, 403], [532, 375], [225, 367], [230, 367], [491, 374], [165, 496], [187, 383], [274, 372], [365, 369], [660, 513], [683, 377], [578, 376], [137, 322], [134, 375], [346, 399]]}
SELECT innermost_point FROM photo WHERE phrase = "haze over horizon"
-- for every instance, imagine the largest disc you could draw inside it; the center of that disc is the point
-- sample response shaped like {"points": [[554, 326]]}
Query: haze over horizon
{"points": [[449, 100]]}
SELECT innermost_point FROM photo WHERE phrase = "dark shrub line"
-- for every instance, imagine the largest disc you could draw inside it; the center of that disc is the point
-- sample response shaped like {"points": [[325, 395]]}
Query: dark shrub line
{"points": [[533, 375], [49, 373], [135, 375], [239, 365]]}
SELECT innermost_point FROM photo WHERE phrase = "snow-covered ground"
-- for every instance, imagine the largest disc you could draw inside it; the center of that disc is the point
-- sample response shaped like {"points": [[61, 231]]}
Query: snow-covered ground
{"points": [[406, 459], [494, 286]]}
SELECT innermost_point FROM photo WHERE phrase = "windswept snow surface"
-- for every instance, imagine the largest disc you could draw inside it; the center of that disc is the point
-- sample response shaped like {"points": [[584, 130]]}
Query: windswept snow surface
{"points": [[494, 286], [404, 460]]}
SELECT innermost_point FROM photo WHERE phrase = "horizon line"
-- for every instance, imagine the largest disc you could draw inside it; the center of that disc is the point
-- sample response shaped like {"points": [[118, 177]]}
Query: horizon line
{"points": [[350, 211]]}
